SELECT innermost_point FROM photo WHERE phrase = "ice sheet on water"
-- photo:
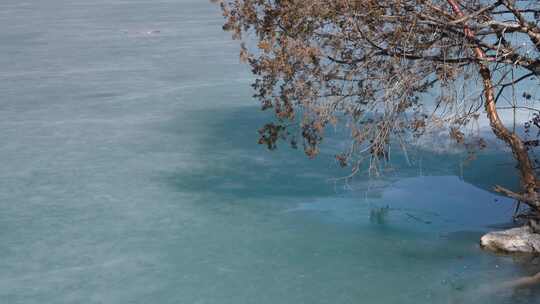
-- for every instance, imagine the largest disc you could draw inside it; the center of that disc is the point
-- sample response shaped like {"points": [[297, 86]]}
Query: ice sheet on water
{"points": [[130, 174]]}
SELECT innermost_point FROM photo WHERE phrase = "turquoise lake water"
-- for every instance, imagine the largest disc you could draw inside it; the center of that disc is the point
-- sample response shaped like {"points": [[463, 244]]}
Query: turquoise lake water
{"points": [[130, 173]]}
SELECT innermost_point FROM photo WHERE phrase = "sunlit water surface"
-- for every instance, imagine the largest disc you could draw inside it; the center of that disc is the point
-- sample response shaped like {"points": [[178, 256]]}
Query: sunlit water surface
{"points": [[130, 173]]}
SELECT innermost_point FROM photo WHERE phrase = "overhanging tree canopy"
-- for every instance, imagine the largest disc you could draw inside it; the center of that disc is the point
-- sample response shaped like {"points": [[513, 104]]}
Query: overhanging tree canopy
{"points": [[366, 64]]}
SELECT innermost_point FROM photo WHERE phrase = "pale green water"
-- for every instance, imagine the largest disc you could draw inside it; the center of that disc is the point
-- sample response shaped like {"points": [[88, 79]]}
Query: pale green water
{"points": [[130, 174]]}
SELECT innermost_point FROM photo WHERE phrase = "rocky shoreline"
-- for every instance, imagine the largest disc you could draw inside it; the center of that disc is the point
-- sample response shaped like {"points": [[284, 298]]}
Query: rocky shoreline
{"points": [[515, 240]]}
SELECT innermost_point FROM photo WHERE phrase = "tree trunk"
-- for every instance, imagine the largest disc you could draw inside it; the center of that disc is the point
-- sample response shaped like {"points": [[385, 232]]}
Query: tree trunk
{"points": [[535, 225], [528, 177], [527, 174]]}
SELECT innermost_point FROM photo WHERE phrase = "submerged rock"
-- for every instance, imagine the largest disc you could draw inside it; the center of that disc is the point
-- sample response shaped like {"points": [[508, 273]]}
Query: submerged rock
{"points": [[515, 240]]}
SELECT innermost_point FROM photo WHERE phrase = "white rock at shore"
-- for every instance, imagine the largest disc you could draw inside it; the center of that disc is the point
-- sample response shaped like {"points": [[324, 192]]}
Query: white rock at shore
{"points": [[515, 240]]}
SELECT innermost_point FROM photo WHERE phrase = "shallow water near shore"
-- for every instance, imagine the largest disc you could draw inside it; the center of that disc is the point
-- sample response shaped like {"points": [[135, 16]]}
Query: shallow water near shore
{"points": [[130, 173]]}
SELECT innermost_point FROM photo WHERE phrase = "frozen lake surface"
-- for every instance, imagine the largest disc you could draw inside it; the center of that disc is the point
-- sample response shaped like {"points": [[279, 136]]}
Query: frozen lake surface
{"points": [[130, 173]]}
